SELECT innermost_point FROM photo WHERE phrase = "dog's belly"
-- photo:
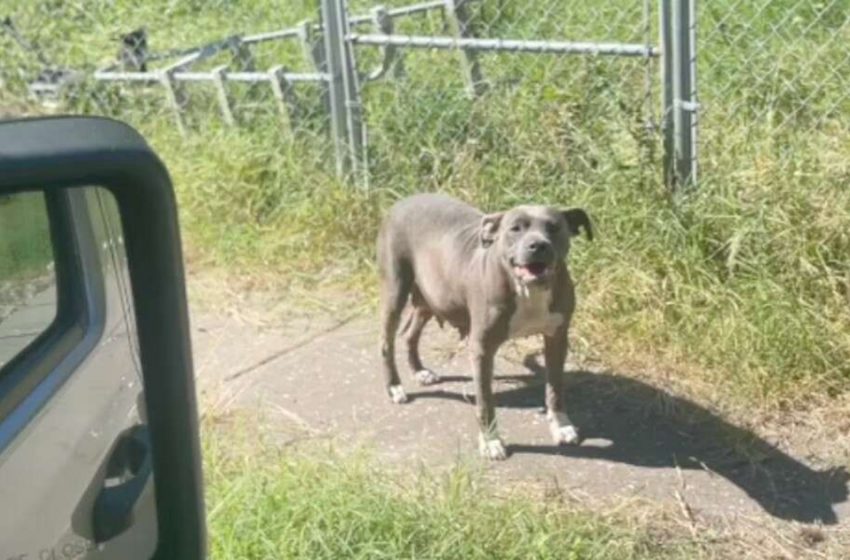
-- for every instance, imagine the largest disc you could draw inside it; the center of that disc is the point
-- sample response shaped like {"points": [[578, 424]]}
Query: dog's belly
{"points": [[437, 286], [446, 310], [532, 315]]}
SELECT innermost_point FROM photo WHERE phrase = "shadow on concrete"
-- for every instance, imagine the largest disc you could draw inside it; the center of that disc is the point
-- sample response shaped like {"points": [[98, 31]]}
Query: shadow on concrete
{"points": [[648, 427]]}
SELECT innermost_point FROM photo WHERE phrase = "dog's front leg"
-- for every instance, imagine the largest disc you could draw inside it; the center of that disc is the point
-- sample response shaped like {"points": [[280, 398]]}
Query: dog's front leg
{"points": [[555, 354], [481, 356]]}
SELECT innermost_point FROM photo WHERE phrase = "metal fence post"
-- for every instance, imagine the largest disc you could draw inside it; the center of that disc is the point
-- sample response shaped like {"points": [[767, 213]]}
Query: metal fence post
{"points": [[457, 14], [284, 96], [314, 51], [694, 96], [683, 16], [346, 111], [383, 23], [223, 97], [242, 55], [334, 39], [667, 77], [176, 98], [353, 104]]}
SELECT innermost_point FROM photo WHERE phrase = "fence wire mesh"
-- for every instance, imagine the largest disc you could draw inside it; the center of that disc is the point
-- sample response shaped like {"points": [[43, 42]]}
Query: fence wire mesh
{"points": [[433, 117], [774, 88], [540, 119]]}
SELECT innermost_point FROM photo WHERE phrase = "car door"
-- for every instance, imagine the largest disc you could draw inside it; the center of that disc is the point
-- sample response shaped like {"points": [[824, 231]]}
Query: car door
{"points": [[66, 430], [99, 451]]}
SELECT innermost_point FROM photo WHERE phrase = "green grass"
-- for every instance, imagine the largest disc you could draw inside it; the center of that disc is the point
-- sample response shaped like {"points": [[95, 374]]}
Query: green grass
{"points": [[25, 248], [321, 504], [744, 283]]}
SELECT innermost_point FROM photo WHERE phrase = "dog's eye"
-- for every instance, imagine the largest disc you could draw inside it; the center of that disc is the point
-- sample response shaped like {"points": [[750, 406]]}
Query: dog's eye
{"points": [[552, 227], [516, 228]]}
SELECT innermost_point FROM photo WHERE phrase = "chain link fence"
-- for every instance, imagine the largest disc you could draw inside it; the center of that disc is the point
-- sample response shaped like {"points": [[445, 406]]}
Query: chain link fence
{"points": [[774, 88], [481, 93], [546, 92]]}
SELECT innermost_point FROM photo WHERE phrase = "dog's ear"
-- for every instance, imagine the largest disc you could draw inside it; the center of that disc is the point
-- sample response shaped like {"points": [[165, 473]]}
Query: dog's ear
{"points": [[490, 227], [576, 219]]}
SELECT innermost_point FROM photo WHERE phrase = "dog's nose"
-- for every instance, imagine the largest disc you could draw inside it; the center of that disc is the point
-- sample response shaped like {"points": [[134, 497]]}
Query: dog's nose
{"points": [[538, 246]]}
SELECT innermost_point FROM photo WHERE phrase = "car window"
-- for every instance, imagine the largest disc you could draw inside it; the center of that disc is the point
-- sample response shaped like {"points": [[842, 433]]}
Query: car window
{"points": [[105, 214], [27, 280]]}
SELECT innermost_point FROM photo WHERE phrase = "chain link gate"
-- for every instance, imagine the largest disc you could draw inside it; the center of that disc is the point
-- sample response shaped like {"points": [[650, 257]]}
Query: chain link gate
{"points": [[676, 26]]}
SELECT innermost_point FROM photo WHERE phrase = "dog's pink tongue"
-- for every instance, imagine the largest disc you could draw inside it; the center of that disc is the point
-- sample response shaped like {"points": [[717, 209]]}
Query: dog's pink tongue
{"points": [[532, 270]]}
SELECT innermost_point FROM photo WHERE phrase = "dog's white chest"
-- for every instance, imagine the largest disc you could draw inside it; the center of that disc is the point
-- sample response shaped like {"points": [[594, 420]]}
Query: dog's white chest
{"points": [[532, 315]]}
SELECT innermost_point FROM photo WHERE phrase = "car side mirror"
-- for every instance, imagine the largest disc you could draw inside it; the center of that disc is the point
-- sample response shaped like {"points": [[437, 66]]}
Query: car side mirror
{"points": [[61, 155]]}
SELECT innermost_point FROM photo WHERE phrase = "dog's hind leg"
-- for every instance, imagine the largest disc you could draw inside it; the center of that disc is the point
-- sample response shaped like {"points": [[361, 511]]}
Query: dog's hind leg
{"points": [[396, 280], [419, 317]]}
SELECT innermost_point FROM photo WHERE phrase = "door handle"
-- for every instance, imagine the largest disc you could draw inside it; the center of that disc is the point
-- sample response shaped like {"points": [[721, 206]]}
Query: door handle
{"points": [[127, 472]]}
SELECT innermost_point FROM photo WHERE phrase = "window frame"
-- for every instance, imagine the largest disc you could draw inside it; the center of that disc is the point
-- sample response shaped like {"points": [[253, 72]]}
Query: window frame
{"points": [[30, 379]]}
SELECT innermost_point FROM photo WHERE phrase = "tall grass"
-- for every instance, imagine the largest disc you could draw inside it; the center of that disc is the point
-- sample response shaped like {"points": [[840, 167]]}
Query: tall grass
{"points": [[746, 280]]}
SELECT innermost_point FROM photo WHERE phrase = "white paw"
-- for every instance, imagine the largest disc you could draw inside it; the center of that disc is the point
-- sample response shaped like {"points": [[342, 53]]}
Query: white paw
{"points": [[397, 394], [492, 448], [565, 435], [426, 377], [563, 431]]}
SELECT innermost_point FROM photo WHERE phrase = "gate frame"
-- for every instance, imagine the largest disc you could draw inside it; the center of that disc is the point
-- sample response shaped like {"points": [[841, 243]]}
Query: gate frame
{"points": [[680, 125], [676, 50]]}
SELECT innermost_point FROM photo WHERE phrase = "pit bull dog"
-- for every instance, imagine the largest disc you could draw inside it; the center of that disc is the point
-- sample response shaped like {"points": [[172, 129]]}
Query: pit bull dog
{"points": [[493, 277]]}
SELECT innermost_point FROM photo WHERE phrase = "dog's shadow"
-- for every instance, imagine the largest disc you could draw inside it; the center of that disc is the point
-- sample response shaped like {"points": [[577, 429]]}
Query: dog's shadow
{"points": [[648, 427]]}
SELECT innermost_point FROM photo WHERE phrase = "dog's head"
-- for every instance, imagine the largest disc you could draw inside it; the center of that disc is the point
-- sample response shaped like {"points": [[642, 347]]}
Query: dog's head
{"points": [[531, 240]]}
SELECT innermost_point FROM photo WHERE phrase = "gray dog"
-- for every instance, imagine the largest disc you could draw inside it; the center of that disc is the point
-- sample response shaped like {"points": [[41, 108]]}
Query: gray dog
{"points": [[493, 277]]}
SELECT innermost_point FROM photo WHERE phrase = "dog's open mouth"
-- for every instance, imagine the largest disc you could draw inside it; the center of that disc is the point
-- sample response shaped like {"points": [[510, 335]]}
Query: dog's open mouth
{"points": [[531, 272]]}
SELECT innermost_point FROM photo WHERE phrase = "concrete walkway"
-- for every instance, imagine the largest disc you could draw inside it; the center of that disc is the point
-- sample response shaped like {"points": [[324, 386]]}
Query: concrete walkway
{"points": [[642, 442]]}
